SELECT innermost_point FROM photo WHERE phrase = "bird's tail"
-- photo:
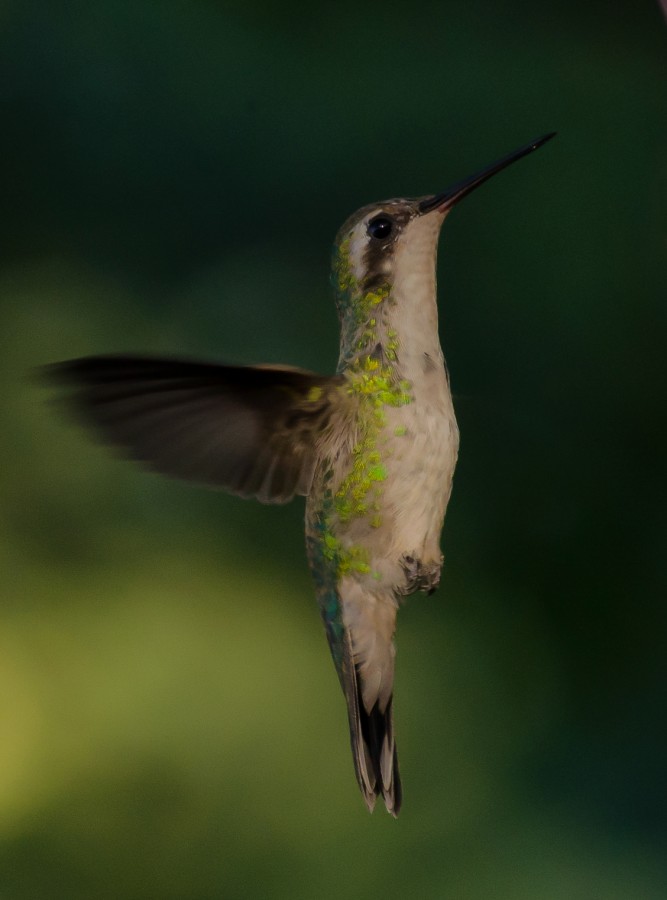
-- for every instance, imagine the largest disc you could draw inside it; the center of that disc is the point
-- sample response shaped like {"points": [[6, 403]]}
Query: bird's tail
{"points": [[362, 643], [373, 744]]}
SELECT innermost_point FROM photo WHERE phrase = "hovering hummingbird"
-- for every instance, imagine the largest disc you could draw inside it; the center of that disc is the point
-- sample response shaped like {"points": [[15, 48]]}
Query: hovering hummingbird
{"points": [[373, 447]]}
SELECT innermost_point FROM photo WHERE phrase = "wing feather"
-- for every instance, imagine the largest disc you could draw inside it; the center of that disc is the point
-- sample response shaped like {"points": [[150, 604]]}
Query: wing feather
{"points": [[248, 429]]}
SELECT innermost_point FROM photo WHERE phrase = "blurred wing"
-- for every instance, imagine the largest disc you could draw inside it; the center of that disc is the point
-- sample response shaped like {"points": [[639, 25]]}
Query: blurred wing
{"points": [[250, 430]]}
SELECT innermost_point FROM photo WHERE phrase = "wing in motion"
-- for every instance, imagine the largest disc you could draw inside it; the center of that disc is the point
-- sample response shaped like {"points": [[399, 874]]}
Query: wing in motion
{"points": [[248, 429]]}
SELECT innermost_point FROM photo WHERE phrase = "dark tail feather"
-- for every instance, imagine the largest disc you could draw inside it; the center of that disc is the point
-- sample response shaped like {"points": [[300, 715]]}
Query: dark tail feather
{"points": [[373, 748]]}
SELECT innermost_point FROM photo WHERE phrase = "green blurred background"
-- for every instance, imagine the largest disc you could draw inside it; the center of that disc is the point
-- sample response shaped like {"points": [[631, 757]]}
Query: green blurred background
{"points": [[173, 175]]}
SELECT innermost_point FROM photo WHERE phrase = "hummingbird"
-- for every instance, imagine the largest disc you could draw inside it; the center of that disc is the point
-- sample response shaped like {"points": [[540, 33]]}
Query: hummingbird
{"points": [[372, 447]]}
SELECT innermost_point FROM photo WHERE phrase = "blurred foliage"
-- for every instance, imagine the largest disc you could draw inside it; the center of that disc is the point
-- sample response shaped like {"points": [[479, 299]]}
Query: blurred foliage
{"points": [[173, 174]]}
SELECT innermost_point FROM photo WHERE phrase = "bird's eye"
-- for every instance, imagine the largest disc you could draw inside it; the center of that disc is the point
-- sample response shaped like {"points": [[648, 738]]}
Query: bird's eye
{"points": [[380, 227]]}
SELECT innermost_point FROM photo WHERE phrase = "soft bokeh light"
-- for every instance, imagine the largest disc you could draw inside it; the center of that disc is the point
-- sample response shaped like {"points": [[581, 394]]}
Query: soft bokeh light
{"points": [[171, 724]]}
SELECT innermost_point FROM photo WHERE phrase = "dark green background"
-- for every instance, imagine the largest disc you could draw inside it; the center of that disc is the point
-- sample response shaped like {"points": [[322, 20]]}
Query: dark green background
{"points": [[172, 176]]}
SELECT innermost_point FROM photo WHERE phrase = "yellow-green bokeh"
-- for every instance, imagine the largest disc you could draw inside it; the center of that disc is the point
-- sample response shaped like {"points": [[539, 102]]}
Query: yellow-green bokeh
{"points": [[170, 722]]}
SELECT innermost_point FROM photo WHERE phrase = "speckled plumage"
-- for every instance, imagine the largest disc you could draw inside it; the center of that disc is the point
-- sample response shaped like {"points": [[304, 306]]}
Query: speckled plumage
{"points": [[373, 447], [382, 480]]}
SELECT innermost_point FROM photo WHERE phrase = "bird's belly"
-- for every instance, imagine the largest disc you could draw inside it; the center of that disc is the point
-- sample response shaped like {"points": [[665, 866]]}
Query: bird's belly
{"points": [[421, 452], [391, 493], [382, 489]]}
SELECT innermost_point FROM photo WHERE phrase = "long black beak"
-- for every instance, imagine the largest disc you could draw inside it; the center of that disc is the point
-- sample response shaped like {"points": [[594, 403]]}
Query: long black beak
{"points": [[450, 197]]}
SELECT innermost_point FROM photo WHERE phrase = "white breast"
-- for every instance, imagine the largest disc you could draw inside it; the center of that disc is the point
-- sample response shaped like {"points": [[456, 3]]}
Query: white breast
{"points": [[421, 460]]}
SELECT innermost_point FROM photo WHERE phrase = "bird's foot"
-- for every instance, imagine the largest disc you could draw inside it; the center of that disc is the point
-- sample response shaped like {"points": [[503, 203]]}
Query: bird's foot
{"points": [[420, 576]]}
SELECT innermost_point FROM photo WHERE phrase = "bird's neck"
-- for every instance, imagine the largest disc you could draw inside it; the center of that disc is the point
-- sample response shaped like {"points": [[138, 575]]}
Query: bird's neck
{"points": [[394, 323]]}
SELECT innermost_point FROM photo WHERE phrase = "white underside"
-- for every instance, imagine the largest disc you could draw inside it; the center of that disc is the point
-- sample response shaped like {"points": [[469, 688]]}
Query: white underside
{"points": [[419, 447]]}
